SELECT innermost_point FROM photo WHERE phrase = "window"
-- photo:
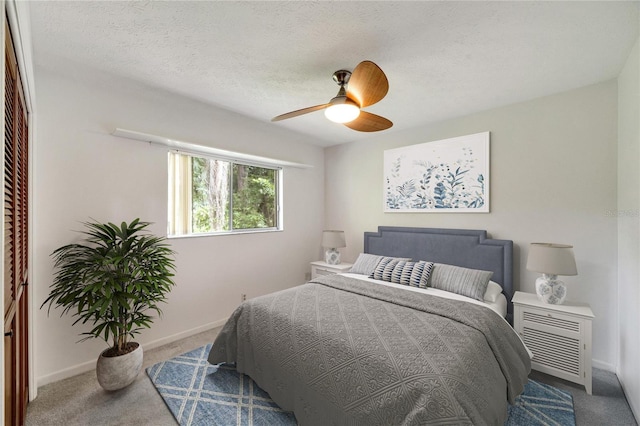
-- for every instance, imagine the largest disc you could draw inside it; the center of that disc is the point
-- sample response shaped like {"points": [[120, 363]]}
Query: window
{"points": [[211, 196]]}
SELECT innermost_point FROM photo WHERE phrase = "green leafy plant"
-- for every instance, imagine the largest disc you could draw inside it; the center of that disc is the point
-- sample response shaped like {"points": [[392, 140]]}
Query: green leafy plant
{"points": [[112, 280]]}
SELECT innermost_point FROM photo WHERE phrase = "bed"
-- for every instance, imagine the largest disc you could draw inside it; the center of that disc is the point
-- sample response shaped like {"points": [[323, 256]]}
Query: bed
{"points": [[361, 349]]}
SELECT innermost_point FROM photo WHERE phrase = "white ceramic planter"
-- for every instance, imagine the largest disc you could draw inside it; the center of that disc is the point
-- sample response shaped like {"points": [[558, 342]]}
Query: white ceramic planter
{"points": [[119, 372]]}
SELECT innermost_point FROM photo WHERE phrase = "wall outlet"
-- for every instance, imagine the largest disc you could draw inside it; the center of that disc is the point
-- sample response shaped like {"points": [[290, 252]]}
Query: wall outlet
{"points": [[243, 297]]}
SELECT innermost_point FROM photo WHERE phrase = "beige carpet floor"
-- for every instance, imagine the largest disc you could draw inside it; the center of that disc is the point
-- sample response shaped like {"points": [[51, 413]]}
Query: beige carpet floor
{"points": [[80, 401]]}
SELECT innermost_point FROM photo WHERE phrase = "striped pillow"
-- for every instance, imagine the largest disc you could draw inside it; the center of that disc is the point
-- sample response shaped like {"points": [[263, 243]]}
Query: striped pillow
{"points": [[415, 274], [385, 268], [402, 272], [456, 279], [421, 273]]}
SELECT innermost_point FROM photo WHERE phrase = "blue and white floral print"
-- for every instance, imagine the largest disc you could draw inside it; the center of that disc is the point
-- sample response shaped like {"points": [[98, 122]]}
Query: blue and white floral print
{"points": [[438, 176]]}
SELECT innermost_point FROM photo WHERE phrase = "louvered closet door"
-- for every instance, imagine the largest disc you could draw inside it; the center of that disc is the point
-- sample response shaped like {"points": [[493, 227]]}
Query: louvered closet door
{"points": [[16, 294]]}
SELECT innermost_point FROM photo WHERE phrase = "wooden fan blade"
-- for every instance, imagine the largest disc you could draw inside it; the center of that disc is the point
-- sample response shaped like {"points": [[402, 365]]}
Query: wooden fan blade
{"points": [[367, 122], [299, 112], [367, 84]]}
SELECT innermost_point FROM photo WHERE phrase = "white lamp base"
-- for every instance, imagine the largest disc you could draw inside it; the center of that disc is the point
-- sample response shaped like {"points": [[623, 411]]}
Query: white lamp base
{"points": [[551, 290], [332, 256]]}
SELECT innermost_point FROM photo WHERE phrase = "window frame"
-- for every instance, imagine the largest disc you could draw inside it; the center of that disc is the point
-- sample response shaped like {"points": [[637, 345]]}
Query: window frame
{"points": [[279, 183]]}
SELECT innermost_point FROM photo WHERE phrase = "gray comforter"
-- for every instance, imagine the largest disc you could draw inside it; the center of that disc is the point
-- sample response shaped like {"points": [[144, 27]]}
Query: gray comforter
{"points": [[343, 351]]}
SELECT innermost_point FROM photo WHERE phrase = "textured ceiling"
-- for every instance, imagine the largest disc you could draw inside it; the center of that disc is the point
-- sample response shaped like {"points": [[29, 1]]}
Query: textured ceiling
{"points": [[262, 59]]}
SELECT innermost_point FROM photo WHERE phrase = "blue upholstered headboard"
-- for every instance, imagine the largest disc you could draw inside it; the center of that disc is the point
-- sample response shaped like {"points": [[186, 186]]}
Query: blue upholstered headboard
{"points": [[462, 247]]}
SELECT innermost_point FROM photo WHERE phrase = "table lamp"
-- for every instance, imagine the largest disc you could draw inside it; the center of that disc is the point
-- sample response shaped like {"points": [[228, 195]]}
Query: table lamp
{"points": [[551, 260], [332, 240]]}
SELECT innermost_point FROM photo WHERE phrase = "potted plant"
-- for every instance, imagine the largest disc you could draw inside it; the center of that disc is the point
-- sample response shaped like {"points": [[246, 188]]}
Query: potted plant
{"points": [[112, 280]]}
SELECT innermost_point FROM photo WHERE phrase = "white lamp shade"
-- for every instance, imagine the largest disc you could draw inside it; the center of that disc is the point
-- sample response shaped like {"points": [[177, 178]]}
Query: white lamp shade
{"points": [[552, 259], [342, 110], [333, 239]]}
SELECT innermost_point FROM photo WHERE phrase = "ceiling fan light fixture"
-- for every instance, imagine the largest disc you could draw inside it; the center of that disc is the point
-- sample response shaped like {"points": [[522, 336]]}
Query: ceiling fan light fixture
{"points": [[342, 110], [361, 88]]}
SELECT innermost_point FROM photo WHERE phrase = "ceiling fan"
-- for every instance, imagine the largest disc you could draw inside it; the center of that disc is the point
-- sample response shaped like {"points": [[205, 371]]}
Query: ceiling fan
{"points": [[365, 86]]}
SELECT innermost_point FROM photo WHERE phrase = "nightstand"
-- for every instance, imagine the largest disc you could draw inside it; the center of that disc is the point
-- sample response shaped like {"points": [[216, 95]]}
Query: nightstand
{"points": [[323, 268], [558, 335]]}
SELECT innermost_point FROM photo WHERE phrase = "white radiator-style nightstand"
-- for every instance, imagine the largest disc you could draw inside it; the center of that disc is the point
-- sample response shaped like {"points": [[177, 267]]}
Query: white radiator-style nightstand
{"points": [[558, 335], [323, 268]]}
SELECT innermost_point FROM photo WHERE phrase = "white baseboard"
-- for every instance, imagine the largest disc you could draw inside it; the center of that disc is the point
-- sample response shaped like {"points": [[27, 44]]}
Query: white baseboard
{"points": [[91, 365], [603, 365], [66, 373], [184, 334]]}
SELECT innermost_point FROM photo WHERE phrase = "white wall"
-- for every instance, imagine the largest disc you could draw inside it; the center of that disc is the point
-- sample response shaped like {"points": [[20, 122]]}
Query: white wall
{"points": [[629, 228], [82, 172], [553, 179]]}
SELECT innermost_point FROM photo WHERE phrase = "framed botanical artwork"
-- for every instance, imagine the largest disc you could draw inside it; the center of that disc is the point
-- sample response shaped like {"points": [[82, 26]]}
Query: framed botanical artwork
{"points": [[450, 175]]}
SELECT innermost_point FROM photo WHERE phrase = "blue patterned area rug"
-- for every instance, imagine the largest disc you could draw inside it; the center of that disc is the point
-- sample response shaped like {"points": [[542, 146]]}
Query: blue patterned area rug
{"points": [[541, 404], [199, 394]]}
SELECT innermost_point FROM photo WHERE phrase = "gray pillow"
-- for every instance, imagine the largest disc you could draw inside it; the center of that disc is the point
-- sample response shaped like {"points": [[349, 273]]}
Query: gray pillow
{"points": [[456, 279], [365, 264]]}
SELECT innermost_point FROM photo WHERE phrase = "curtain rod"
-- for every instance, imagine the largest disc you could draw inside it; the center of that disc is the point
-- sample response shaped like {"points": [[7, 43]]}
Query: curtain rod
{"points": [[207, 150]]}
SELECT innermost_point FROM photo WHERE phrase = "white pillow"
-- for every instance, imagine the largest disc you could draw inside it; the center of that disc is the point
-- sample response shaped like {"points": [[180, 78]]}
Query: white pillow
{"points": [[493, 292]]}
